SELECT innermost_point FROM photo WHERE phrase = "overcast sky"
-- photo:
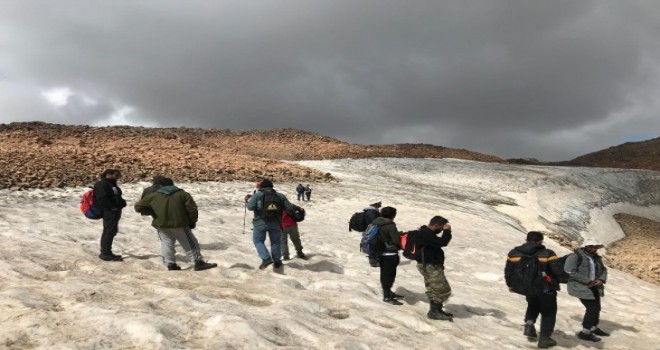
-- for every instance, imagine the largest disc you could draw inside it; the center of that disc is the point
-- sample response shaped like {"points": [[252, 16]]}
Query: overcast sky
{"points": [[550, 80]]}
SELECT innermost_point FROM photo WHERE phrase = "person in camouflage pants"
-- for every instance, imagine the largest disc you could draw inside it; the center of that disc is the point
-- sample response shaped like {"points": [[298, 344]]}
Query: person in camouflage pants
{"points": [[431, 264]]}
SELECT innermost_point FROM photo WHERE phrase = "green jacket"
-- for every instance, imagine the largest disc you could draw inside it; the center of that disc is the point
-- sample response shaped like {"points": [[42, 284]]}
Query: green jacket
{"points": [[580, 275], [254, 204], [170, 207], [389, 234]]}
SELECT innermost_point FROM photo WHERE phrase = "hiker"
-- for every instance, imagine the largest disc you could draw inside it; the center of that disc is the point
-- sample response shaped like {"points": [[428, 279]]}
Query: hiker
{"points": [[371, 212], [540, 292], [308, 192], [300, 191], [431, 264], [108, 200], [389, 235], [174, 216], [267, 205], [587, 282], [290, 229], [156, 183]]}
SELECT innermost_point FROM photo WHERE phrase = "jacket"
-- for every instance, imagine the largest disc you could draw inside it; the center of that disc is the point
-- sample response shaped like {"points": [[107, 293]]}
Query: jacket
{"points": [[388, 234], [171, 207], [287, 220], [431, 246], [107, 196], [255, 202], [550, 265], [581, 275]]}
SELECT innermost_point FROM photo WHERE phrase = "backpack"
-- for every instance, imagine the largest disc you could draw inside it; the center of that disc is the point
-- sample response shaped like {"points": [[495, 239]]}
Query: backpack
{"points": [[371, 244], [87, 205], [527, 278], [270, 205], [358, 222], [410, 248], [297, 214], [564, 277]]}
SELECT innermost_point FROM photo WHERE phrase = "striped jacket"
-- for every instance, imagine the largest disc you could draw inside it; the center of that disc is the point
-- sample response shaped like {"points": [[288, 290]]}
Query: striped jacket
{"points": [[548, 259]]}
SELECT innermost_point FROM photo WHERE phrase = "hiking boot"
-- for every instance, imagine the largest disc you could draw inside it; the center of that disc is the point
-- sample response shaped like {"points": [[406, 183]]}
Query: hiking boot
{"points": [[449, 314], [392, 301], [546, 342], [588, 336], [265, 263], [202, 265], [277, 264], [110, 257], [600, 332], [530, 331], [436, 313], [301, 255], [173, 267], [396, 296]]}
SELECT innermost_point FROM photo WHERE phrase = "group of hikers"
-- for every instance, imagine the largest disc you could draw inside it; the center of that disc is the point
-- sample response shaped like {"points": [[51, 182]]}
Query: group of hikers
{"points": [[304, 192], [175, 214]]}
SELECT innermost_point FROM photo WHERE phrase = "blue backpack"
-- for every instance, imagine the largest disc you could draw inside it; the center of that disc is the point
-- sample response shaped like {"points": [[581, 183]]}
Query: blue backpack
{"points": [[371, 244]]}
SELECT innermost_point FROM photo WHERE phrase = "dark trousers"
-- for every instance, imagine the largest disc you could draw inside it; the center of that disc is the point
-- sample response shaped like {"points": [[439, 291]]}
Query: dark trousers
{"points": [[592, 314], [388, 264], [110, 229], [301, 195], [546, 305]]}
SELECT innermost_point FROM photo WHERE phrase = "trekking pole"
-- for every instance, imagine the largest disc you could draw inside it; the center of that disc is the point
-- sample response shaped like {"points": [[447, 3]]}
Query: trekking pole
{"points": [[244, 216]]}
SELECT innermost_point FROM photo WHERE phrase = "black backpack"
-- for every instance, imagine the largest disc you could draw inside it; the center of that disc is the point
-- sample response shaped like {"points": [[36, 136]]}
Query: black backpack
{"points": [[358, 222], [527, 278], [564, 277], [271, 205], [297, 214]]}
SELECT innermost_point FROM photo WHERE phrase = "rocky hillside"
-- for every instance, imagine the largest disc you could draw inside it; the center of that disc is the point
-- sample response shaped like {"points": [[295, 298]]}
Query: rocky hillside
{"points": [[41, 155], [630, 155]]}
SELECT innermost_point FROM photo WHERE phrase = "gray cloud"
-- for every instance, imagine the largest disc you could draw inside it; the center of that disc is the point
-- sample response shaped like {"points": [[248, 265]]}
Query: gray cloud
{"points": [[550, 80]]}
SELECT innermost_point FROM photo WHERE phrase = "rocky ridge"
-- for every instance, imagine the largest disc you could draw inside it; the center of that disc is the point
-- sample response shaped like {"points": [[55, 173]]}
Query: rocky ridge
{"points": [[42, 155]]}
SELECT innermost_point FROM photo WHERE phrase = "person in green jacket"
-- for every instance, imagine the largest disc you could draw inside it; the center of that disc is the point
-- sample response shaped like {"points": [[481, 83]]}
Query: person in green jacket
{"points": [[174, 215], [587, 282], [389, 259]]}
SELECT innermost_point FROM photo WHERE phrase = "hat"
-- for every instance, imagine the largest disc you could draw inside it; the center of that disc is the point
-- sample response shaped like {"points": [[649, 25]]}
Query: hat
{"points": [[265, 183], [375, 201], [591, 241]]}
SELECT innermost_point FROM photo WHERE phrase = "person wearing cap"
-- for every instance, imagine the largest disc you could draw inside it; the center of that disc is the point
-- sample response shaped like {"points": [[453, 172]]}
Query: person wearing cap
{"points": [[263, 225], [587, 283], [544, 300], [431, 264], [371, 212]]}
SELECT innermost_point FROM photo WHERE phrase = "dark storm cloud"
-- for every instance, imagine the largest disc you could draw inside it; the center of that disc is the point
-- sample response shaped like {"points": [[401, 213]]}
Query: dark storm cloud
{"points": [[550, 80]]}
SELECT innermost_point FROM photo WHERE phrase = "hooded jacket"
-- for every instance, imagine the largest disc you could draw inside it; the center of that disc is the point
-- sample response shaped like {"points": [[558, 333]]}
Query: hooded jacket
{"points": [[388, 234], [255, 202], [431, 245], [548, 259], [170, 207], [107, 195], [581, 274]]}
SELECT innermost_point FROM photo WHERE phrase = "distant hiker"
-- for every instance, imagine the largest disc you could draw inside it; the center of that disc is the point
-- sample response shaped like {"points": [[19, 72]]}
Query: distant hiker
{"points": [[267, 205], [389, 259], [308, 192], [431, 264], [532, 270], [300, 191], [290, 229], [174, 216], [156, 183], [587, 282], [108, 200]]}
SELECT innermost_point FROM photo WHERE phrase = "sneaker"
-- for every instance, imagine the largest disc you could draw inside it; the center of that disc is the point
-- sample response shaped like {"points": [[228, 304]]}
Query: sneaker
{"points": [[530, 331], [396, 296], [588, 336], [173, 267], [110, 257], [600, 332], [392, 301], [265, 264], [202, 265], [301, 255], [546, 342], [277, 264]]}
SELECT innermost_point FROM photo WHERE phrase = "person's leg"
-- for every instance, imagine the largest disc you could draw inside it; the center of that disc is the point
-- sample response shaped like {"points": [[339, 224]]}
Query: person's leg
{"points": [[548, 310], [188, 242], [531, 314], [285, 242], [110, 229], [590, 315], [167, 242], [275, 236], [295, 239], [438, 284], [258, 238], [388, 265], [597, 308]]}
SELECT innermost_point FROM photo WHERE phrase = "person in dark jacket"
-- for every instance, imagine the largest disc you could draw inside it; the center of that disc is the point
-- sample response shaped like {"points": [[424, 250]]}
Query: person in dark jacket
{"points": [[108, 200], [308, 192], [300, 191], [174, 216], [263, 225], [371, 212], [587, 282], [389, 235], [431, 264], [544, 299]]}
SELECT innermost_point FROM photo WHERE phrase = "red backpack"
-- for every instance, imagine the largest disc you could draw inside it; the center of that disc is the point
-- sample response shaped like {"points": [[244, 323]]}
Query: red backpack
{"points": [[87, 205]]}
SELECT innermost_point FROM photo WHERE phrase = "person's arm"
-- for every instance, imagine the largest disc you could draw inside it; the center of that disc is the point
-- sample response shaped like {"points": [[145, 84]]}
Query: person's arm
{"points": [[571, 268], [553, 264], [143, 206], [191, 208], [101, 195], [287, 205], [252, 202]]}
